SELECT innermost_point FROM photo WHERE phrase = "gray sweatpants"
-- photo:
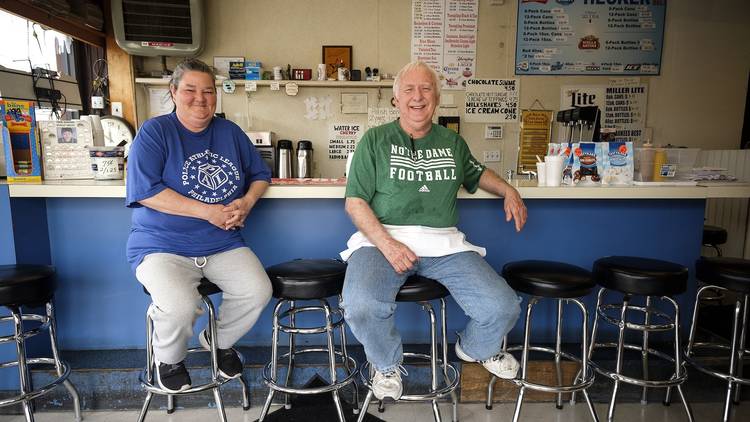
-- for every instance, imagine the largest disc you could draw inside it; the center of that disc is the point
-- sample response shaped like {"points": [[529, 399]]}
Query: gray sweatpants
{"points": [[172, 280]]}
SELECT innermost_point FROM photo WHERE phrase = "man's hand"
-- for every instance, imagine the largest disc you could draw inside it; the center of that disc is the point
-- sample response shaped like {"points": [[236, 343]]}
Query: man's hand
{"points": [[401, 258], [238, 211], [514, 208]]}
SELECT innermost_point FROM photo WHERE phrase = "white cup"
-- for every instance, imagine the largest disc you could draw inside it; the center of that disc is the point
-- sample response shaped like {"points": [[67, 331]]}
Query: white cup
{"points": [[277, 73], [541, 174], [554, 165], [321, 72]]}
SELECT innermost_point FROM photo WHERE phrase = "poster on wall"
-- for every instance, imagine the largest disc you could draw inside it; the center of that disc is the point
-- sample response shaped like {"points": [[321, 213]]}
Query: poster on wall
{"points": [[491, 100], [444, 35], [342, 139], [623, 107], [589, 37]]}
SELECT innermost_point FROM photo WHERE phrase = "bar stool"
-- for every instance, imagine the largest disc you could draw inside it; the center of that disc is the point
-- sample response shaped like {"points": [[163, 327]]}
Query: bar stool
{"points": [[564, 283], [651, 278], [422, 290], [31, 286], [724, 274], [308, 280], [713, 236], [205, 289]]}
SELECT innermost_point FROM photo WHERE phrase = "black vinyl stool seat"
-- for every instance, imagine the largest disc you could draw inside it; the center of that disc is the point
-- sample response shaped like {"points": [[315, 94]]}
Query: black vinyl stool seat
{"points": [[31, 286], [724, 274], [421, 290], [713, 236], [565, 283], [652, 279], [308, 280], [147, 376]]}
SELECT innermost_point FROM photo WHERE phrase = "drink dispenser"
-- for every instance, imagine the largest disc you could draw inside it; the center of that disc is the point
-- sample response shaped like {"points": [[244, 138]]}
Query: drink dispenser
{"points": [[284, 158], [304, 159]]}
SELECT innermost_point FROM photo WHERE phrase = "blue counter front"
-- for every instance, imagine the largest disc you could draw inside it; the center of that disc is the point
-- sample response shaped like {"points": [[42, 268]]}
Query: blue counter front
{"points": [[100, 305]]}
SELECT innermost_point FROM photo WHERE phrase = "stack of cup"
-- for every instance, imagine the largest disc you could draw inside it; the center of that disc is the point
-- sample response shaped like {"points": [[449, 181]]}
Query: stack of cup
{"points": [[541, 173], [554, 167]]}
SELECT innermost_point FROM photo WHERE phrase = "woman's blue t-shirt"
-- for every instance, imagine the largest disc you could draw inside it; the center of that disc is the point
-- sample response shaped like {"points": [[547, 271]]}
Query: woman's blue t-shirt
{"points": [[215, 166]]}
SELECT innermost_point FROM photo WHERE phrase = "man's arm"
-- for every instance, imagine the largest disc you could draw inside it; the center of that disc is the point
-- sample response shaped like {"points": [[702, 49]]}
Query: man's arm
{"points": [[513, 204], [171, 202], [398, 255]]}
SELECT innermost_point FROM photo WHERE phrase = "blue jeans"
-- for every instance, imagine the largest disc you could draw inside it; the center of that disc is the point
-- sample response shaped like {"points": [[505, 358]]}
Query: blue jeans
{"points": [[369, 302]]}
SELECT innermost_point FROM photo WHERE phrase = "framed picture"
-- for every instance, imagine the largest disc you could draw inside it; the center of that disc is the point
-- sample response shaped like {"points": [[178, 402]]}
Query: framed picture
{"points": [[334, 56]]}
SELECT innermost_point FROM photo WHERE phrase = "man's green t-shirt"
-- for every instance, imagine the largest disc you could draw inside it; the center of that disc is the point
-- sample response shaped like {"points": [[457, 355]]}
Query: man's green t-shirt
{"points": [[412, 182]]}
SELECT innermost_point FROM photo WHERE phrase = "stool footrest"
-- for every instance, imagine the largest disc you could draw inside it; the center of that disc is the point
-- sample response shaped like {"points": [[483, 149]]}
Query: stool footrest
{"points": [[352, 363], [584, 384], [39, 391]]}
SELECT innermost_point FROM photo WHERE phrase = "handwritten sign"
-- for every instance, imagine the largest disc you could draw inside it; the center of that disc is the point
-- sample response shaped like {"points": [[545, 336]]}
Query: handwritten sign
{"points": [[491, 100], [342, 139]]}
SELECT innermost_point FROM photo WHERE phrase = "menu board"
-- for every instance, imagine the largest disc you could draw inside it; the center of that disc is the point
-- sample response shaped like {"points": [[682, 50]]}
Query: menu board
{"points": [[590, 37], [444, 36]]}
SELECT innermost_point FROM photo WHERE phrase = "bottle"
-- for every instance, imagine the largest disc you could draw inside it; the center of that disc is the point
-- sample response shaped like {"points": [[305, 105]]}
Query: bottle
{"points": [[284, 159], [304, 159]]}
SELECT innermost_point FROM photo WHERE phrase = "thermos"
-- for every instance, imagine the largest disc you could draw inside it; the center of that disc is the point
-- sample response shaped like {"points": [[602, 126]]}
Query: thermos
{"points": [[304, 159], [284, 159]]}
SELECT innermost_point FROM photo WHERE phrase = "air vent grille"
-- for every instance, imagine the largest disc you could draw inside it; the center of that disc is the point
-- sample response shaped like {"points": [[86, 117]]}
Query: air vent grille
{"points": [[164, 21]]}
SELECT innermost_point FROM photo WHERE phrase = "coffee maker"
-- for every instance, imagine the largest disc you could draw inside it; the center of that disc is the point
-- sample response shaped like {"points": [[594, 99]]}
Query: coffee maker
{"points": [[263, 142]]}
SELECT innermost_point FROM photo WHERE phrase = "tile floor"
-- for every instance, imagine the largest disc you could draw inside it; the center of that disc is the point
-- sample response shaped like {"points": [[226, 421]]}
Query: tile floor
{"points": [[474, 412]]}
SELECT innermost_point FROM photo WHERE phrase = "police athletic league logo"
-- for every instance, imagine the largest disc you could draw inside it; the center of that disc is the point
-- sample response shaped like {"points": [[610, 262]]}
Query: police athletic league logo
{"points": [[210, 177]]}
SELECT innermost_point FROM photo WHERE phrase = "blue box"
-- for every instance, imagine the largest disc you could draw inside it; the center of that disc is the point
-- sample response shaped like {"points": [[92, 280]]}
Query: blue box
{"points": [[253, 70]]}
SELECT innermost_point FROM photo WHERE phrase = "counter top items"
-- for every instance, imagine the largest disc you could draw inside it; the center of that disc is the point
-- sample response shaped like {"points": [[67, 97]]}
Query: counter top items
{"points": [[19, 139], [284, 159], [65, 153], [107, 163], [664, 164], [304, 159]]}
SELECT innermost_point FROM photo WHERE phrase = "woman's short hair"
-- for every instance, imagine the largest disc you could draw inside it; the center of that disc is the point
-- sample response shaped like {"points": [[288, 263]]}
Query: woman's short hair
{"points": [[413, 66], [190, 65]]}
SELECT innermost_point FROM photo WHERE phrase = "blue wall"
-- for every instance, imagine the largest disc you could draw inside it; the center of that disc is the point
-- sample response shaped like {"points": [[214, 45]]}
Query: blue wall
{"points": [[100, 305]]}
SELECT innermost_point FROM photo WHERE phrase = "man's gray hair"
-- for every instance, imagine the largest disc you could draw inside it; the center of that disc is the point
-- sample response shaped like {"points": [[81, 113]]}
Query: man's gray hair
{"points": [[190, 65], [413, 66]]}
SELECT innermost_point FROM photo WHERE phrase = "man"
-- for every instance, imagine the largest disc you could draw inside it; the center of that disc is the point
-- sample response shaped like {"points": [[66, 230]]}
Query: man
{"points": [[401, 196], [67, 136]]}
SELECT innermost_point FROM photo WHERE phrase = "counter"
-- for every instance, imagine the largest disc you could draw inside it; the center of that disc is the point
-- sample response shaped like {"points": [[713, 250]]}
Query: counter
{"points": [[335, 189], [82, 228]]}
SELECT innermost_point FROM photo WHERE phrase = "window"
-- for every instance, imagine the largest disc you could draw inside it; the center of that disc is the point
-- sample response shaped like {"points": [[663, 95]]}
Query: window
{"points": [[34, 46]]}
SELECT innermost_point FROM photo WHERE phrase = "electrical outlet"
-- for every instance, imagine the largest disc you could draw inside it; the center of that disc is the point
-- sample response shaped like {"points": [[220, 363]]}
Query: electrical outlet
{"points": [[117, 108], [492, 156], [97, 102]]}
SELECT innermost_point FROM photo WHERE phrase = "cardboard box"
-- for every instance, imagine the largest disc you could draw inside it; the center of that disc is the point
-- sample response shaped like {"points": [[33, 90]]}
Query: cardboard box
{"points": [[253, 70], [20, 142]]}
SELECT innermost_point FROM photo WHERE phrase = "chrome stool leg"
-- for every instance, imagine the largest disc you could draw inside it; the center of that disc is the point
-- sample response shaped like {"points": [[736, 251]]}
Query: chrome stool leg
{"points": [[349, 369], [433, 357], [332, 359], [558, 349], [290, 364], [149, 373], [58, 363], [644, 352], [524, 357], [274, 359], [23, 370], [214, 357], [741, 350], [732, 360], [444, 341], [619, 361], [679, 365], [493, 379]]}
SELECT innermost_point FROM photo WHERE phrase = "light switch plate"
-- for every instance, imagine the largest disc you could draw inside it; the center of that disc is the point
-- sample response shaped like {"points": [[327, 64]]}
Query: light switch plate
{"points": [[493, 132], [492, 156]]}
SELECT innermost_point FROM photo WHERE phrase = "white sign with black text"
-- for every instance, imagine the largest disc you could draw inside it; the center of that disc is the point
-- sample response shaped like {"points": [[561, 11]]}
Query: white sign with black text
{"points": [[342, 139], [491, 100]]}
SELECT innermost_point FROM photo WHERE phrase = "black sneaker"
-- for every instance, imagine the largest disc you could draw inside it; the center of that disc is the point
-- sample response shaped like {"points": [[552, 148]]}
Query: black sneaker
{"points": [[172, 377], [230, 365]]}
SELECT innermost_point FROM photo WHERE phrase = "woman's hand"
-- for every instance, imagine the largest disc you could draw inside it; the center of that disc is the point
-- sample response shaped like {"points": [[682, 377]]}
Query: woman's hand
{"points": [[237, 211], [217, 215]]}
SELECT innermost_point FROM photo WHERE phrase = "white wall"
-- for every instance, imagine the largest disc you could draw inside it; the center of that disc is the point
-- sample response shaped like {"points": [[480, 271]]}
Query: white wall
{"points": [[698, 100]]}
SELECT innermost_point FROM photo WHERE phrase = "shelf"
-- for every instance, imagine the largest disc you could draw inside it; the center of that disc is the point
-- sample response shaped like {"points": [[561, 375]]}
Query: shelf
{"points": [[317, 84]]}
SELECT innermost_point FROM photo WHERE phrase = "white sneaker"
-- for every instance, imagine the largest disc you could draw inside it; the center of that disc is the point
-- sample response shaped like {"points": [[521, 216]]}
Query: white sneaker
{"points": [[387, 385], [502, 365]]}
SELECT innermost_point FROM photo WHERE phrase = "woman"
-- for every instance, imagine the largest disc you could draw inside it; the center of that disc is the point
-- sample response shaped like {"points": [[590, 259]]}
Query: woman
{"points": [[192, 180]]}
